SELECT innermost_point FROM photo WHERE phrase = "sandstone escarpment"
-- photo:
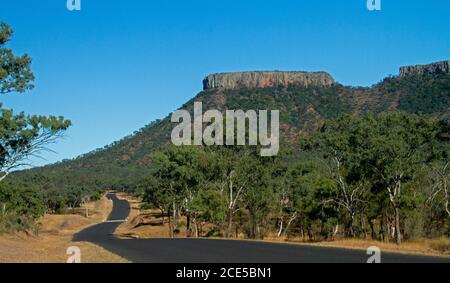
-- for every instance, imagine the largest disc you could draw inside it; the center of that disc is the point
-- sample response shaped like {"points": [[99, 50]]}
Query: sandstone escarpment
{"points": [[266, 79], [442, 67]]}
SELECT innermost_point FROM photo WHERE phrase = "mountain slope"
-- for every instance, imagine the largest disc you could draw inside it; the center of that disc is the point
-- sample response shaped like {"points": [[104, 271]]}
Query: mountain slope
{"points": [[304, 100]]}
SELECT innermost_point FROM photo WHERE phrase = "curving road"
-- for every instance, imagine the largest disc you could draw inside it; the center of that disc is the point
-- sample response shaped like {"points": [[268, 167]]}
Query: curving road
{"points": [[220, 251]]}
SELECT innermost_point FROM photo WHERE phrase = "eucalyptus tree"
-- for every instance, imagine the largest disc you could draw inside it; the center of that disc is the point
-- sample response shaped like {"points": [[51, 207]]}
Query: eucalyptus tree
{"points": [[440, 167], [337, 145], [21, 136], [392, 151]]}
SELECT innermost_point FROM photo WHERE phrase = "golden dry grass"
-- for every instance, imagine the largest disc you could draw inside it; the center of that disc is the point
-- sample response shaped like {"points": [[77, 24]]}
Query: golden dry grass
{"points": [[55, 236], [143, 224], [435, 247]]}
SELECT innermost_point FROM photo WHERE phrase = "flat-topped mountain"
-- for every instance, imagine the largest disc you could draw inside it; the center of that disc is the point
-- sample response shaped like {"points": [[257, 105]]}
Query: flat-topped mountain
{"points": [[303, 99], [266, 79], [442, 67]]}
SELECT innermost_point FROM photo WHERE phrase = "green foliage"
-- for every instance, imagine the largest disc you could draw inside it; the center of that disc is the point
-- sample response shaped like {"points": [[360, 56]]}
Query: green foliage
{"points": [[210, 206], [27, 200], [21, 137], [156, 193], [426, 94], [357, 173], [381, 157], [19, 207], [15, 72], [299, 106], [56, 201]]}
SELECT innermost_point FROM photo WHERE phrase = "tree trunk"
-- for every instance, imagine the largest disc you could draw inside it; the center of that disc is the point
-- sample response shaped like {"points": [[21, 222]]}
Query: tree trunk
{"points": [[398, 236], [200, 229], [196, 233], [288, 225], [254, 227], [310, 234], [336, 230], [446, 195], [170, 224], [174, 222], [280, 230], [4, 176], [174, 213], [350, 231], [372, 230], [188, 225], [230, 223], [162, 216], [363, 226], [382, 230]]}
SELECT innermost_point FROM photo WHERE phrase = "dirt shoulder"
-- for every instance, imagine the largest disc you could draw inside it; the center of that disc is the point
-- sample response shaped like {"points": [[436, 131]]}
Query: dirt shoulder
{"points": [[437, 247], [146, 224], [55, 236]]}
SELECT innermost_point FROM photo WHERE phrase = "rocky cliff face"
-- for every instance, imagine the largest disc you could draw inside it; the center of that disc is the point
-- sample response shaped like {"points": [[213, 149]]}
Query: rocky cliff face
{"points": [[434, 68], [265, 79]]}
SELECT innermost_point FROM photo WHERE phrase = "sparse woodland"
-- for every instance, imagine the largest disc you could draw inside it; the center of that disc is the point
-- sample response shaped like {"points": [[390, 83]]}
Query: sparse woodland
{"points": [[379, 176], [355, 162]]}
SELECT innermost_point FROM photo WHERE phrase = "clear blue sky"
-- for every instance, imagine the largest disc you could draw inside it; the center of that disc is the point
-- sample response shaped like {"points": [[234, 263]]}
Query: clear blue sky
{"points": [[117, 65]]}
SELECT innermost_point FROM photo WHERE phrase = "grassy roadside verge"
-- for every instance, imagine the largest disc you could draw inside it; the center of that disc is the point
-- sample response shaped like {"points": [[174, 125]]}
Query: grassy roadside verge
{"points": [[55, 236], [437, 248]]}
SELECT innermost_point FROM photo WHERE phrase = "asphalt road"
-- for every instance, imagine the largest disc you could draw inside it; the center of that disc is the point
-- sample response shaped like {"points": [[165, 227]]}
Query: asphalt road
{"points": [[221, 251]]}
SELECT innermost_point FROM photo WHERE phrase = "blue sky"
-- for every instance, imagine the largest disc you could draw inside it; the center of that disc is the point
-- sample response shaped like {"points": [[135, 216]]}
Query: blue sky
{"points": [[115, 66]]}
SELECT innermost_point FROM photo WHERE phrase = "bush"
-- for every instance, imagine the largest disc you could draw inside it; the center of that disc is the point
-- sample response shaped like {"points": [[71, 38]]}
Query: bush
{"points": [[10, 221]]}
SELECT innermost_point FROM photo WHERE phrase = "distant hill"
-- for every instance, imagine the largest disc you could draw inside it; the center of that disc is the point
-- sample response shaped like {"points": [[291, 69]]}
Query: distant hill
{"points": [[304, 100]]}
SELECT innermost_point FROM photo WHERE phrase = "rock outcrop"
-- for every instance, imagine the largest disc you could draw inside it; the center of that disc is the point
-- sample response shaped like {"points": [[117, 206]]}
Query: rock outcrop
{"points": [[442, 67], [266, 79]]}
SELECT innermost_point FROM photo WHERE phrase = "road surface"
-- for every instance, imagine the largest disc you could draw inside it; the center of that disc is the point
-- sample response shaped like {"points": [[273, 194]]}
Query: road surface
{"points": [[220, 251]]}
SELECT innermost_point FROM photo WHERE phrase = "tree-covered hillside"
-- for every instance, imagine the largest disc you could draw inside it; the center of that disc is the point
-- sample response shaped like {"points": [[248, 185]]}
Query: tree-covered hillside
{"points": [[302, 109], [354, 161]]}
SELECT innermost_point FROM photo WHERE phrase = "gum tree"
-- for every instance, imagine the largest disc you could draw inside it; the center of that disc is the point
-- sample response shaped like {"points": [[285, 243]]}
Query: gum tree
{"points": [[336, 146], [394, 149], [21, 136], [440, 168], [382, 151]]}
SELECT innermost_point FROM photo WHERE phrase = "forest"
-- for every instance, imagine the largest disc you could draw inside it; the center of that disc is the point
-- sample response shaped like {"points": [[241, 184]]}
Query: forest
{"points": [[383, 176]]}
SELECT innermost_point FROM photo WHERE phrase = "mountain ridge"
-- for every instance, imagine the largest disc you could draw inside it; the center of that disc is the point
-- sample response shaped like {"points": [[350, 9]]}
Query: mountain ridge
{"points": [[261, 79], [433, 68]]}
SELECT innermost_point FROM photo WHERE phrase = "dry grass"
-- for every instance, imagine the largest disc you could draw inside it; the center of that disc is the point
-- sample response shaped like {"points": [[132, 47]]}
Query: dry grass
{"points": [[55, 236], [142, 224], [436, 247]]}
